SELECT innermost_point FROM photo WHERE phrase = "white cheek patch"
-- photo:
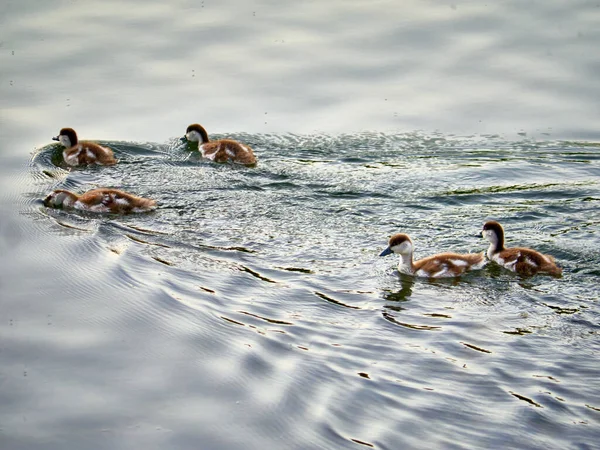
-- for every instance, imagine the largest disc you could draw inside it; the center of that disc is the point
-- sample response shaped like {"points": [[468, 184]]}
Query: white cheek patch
{"points": [[401, 249], [490, 236], [193, 136], [64, 140]]}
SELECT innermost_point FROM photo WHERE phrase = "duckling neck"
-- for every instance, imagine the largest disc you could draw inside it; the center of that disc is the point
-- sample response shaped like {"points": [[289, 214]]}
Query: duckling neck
{"points": [[405, 265], [496, 245]]}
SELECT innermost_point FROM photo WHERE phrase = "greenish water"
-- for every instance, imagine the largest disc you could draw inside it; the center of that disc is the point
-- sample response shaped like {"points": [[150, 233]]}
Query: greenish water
{"points": [[251, 310]]}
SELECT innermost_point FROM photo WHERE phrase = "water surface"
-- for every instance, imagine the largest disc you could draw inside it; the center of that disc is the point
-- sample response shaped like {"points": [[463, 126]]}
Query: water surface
{"points": [[251, 310]]}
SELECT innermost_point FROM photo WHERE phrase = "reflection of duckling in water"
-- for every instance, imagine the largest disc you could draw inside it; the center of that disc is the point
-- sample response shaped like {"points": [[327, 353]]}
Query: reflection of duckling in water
{"points": [[524, 261], [83, 153], [222, 150], [403, 294], [436, 266], [100, 200]]}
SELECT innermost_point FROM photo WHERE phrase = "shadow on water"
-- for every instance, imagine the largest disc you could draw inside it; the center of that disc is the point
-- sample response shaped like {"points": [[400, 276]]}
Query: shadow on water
{"points": [[403, 294]]}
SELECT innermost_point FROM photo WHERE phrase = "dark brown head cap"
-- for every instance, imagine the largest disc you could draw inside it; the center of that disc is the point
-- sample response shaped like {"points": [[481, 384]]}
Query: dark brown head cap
{"points": [[198, 129], [494, 226], [398, 239], [70, 133], [195, 127], [395, 240]]}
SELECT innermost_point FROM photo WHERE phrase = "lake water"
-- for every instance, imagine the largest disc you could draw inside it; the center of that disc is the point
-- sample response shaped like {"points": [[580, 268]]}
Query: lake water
{"points": [[251, 310]]}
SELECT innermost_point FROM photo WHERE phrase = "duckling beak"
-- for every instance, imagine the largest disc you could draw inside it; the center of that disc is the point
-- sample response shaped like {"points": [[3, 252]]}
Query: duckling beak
{"points": [[386, 252], [183, 139], [55, 138]]}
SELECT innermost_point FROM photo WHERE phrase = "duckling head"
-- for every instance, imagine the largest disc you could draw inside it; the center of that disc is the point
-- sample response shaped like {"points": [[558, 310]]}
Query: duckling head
{"points": [[195, 133], [60, 198], [67, 137], [493, 232], [399, 244]]}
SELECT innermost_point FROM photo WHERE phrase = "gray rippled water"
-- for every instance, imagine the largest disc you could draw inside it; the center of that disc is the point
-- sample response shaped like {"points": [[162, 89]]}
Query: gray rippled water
{"points": [[251, 309]]}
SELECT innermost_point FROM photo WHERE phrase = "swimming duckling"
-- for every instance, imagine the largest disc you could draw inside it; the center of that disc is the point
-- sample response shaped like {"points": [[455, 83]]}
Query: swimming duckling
{"points": [[82, 153], [524, 261], [101, 200], [222, 150], [442, 265]]}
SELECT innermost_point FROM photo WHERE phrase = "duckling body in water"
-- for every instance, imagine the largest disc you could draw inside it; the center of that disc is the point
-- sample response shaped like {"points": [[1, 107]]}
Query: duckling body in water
{"points": [[442, 265], [101, 200], [83, 153], [222, 150], [523, 261]]}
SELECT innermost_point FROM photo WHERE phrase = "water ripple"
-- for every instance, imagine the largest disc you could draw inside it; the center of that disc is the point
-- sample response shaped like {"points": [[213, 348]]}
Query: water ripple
{"points": [[258, 292]]}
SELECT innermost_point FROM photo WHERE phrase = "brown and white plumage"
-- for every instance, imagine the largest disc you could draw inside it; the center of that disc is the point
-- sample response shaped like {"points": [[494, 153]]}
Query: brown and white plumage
{"points": [[83, 153], [524, 261], [222, 150], [442, 265], [101, 200]]}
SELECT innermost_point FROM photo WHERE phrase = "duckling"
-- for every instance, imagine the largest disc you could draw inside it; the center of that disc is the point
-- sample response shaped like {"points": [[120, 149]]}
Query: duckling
{"points": [[222, 150], [101, 200], [524, 261], [442, 265], [83, 153]]}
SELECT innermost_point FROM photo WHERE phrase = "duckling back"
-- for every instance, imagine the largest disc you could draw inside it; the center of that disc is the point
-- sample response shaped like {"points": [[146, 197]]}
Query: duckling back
{"points": [[528, 262]]}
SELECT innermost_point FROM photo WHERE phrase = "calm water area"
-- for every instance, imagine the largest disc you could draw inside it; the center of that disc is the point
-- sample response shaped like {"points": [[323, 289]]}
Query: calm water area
{"points": [[251, 310]]}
